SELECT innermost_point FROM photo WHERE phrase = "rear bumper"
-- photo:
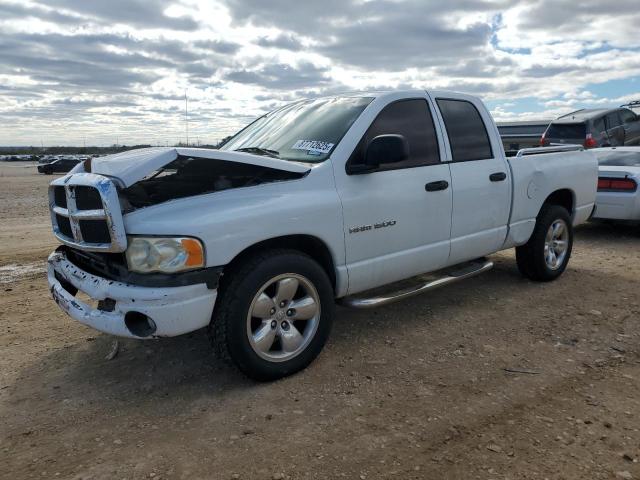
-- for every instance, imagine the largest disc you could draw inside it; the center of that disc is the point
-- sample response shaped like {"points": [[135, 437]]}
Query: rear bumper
{"points": [[173, 310], [618, 206]]}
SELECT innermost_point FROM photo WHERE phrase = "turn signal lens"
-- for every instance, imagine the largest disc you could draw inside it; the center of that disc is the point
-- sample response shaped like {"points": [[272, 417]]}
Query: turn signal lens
{"points": [[195, 255]]}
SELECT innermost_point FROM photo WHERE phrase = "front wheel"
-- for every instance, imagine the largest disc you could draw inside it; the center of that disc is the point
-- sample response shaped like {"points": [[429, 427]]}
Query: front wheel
{"points": [[273, 315], [546, 255]]}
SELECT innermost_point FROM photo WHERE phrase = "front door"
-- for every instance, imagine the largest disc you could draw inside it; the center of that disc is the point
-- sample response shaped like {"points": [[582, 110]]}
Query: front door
{"points": [[480, 179], [397, 219]]}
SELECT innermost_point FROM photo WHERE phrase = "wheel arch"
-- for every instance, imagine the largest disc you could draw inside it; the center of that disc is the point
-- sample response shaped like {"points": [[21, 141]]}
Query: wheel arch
{"points": [[563, 197], [307, 244]]}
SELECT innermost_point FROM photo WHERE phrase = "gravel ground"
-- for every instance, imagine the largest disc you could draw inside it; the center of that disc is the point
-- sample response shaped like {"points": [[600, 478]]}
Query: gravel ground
{"points": [[493, 378]]}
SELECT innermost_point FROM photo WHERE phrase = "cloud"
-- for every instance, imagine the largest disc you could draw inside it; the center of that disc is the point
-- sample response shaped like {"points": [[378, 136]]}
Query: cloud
{"points": [[74, 68], [283, 41], [282, 76], [218, 46], [145, 13], [20, 11]]}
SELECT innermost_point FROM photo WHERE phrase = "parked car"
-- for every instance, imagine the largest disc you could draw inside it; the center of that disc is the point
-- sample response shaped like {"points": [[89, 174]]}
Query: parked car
{"points": [[58, 166], [618, 196], [594, 128], [521, 134], [324, 199]]}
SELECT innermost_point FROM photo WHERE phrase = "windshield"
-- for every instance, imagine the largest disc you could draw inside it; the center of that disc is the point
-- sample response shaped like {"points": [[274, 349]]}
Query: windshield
{"points": [[619, 159], [304, 131]]}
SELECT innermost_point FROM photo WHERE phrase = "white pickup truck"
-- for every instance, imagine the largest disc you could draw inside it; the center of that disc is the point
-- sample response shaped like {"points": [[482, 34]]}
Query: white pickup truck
{"points": [[350, 198]]}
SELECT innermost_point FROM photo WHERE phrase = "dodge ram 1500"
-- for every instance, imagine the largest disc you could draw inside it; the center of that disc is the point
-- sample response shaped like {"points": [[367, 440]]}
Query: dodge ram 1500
{"points": [[351, 198]]}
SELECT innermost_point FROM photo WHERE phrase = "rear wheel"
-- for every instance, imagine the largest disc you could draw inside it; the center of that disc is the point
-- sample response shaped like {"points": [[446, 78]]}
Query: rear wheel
{"points": [[274, 314], [546, 255]]}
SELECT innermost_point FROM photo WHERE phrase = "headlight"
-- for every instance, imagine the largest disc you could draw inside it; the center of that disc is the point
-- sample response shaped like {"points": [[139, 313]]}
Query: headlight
{"points": [[168, 255]]}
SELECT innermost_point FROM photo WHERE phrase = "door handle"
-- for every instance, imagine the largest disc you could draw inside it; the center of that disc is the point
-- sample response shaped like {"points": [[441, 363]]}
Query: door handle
{"points": [[435, 186], [498, 177]]}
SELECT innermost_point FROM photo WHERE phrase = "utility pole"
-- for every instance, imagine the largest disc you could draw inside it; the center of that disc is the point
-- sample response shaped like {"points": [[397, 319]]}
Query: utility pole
{"points": [[186, 115]]}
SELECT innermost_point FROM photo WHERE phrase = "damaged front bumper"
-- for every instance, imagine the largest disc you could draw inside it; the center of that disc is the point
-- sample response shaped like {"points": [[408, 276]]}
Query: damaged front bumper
{"points": [[128, 310]]}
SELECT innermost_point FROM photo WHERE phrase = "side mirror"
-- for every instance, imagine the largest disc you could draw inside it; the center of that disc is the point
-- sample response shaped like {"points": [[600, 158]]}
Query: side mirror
{"points": [[385, 149]]}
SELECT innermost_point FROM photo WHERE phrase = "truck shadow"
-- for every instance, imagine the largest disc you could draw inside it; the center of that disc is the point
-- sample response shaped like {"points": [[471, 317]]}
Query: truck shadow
{"points": [[168, 372], [607, 232]]}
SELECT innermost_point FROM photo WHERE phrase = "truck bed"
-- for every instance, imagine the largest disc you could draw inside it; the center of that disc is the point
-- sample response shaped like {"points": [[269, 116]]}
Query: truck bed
{"points": [[536, 173]]}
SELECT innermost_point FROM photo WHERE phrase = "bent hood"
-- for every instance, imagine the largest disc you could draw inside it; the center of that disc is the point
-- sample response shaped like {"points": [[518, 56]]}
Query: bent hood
{"points": [[134, 165]]}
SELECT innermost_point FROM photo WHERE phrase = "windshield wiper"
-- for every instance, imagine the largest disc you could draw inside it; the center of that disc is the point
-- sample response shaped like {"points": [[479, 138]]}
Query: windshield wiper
{"points": [[260, 151]]}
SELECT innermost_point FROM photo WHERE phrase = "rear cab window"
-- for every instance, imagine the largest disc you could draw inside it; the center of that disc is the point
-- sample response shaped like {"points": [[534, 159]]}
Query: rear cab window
{"points": [[466, 130], [567, 130]]}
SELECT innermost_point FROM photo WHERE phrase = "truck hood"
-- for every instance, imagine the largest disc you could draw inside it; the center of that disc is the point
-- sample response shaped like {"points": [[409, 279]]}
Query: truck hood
{"points": [[134, 165]]}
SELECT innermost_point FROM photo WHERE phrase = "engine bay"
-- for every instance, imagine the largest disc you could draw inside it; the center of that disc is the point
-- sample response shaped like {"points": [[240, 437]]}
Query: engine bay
{"points": [[190, 176]]}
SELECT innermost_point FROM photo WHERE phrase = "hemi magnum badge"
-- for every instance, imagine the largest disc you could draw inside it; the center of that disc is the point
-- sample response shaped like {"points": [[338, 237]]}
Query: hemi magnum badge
{"points": [[375, 226]]}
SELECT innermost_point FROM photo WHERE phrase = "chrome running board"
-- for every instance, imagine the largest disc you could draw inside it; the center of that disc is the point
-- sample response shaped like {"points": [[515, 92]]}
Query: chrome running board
{"points": [[377, 299]]}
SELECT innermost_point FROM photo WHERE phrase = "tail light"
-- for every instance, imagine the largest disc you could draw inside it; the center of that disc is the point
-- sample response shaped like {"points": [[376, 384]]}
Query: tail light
{"points": [[543, 140], [590, 142], [616, 185]]}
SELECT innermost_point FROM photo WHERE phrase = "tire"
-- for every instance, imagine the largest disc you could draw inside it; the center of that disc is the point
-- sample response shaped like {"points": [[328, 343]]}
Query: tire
{"points": [[265, 285], [536, 258]]}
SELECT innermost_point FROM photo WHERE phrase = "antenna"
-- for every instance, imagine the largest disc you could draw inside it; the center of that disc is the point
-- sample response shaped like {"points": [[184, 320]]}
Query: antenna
{"points": [[186, 115]]}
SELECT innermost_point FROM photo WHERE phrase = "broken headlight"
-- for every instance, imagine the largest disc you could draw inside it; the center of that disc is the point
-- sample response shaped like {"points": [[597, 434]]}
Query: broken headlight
{"points": [[164, 254]]}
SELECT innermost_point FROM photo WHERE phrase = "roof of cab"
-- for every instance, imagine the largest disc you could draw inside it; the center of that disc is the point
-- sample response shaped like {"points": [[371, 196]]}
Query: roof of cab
{"points": [[384, 93]]}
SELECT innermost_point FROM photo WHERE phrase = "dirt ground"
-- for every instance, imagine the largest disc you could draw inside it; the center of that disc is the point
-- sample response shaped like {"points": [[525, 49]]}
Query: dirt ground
{"points": [[416, 390]]}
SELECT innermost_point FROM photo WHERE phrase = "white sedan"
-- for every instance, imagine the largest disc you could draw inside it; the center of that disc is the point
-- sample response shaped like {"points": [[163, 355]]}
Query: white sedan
{"points": [[618, 195]]}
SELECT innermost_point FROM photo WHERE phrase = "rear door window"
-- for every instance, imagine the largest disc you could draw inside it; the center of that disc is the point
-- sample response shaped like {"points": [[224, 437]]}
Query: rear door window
{"points": [[567, 130], [467, 133]]}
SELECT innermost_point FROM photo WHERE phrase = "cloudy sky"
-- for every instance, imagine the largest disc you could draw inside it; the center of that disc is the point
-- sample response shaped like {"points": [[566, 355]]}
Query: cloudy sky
{"points": [[107, 71]]}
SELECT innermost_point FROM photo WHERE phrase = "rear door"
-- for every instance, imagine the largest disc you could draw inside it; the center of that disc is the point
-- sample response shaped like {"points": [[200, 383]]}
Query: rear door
{"points": [[480, 180]]}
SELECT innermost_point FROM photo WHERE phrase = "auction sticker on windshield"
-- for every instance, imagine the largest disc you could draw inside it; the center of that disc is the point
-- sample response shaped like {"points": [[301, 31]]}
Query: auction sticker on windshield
{"points": [[313, 146]]}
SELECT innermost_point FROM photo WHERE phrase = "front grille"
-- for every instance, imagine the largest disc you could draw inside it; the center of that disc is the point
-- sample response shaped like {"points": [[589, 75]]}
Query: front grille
{"points": [[64, 225], [60, 197], [106, 265], [87, 198], [86, 213], [95, 231]]}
